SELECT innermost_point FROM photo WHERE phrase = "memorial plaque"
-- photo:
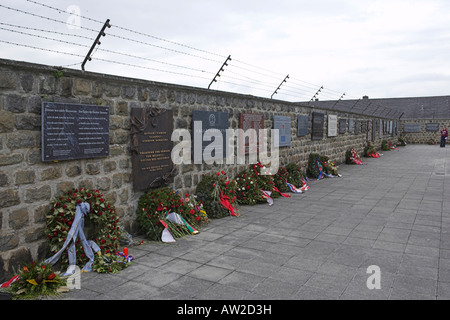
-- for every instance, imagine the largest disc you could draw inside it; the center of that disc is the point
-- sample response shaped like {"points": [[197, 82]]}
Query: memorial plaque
{"points": [[151, 146], [432, 127], [318, 121], [302, 126], [357, 127], [380, 129], [217, 123], [332, 126], [351, 126], [74, 131], [251, 121], [342, 126], [283, 124]]}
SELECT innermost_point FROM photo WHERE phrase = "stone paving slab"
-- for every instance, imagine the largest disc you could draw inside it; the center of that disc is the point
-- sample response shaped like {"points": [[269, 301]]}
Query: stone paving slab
{"points": [[393, 212]]}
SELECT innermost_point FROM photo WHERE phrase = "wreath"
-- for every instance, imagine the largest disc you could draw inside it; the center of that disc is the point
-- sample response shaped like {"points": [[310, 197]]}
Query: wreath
{"points": [[217, 194], [316, 165], [34, 280], [156, 206], [352, 157], [281, 178], [248, 191], [102, 223], [295, 174]]}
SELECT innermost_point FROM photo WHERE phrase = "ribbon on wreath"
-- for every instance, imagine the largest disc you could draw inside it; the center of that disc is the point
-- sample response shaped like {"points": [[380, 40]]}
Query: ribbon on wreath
{"points": [[10, 282], [176, 218], [124, 255], [293, 188], [373, 154], [267, 195], [320, 170], [285, 195], [166, 236], [304, 187], [76, 231], [225, 201]]}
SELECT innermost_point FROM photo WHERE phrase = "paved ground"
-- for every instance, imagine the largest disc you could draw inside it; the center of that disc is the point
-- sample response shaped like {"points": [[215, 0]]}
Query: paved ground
{"points": [[393, 212]]}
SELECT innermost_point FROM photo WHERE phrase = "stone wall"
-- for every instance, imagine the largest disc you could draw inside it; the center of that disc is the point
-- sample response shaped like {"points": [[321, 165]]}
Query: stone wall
{"points": [[423, 136], [27, 185]]}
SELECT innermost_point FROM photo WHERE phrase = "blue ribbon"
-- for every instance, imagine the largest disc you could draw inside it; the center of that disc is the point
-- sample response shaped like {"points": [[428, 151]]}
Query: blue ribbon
{"points": [[77, 231]]}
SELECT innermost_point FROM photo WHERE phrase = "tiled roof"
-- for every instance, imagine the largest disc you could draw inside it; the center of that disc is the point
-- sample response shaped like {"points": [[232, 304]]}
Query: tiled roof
{"points": [[406, 108]]}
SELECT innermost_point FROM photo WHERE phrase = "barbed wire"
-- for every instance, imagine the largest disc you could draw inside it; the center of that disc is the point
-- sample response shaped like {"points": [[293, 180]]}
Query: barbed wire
{"points": [[266, 78]]}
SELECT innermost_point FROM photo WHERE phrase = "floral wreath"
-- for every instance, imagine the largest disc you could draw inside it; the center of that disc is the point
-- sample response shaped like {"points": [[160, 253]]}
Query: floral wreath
{"points": [[104, 221], [217, 193], [156, 206]]}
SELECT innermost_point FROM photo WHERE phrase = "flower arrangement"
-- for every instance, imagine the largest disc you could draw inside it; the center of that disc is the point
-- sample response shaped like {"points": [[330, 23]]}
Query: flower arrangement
{"points": [[295, 174], [281, 178], [385, 145], [264, 182], [352, 157], [34, 280], [369, 151], [102, 221], [248, 191], [155, 206], [217, 193], [316, 164], [331, 168], [401, 142]]}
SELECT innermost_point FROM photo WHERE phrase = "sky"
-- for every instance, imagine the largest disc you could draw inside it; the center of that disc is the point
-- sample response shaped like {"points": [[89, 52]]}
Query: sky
{"points": [[378, 48]]}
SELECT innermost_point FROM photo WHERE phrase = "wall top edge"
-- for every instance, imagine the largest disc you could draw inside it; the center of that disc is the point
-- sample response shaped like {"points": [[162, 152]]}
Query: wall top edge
{"points": [[23, 65]]}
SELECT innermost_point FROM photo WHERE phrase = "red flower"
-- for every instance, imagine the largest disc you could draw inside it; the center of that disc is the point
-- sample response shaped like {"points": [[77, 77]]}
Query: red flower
{"points": [[192, 211], [52, 276], [218, 174]]}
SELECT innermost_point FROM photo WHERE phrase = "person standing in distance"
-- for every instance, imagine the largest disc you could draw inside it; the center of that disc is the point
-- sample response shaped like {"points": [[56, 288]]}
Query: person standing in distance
{"points": [[444, 136]]}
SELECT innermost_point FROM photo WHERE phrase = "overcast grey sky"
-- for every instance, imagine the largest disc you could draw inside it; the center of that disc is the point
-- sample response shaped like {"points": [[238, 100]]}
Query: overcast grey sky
{"points": [[379, 48]]}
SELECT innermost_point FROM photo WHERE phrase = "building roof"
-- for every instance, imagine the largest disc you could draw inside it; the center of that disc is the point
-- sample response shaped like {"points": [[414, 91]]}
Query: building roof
{"points": [[394, 108]]}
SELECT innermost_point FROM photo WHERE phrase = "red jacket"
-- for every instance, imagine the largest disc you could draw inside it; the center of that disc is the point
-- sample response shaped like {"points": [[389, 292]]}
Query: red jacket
{"points": [[444, 133]]}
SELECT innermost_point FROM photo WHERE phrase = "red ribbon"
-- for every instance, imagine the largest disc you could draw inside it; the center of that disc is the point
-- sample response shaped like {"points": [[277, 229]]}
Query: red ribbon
{"points": [[225, 201], [282, 194]]}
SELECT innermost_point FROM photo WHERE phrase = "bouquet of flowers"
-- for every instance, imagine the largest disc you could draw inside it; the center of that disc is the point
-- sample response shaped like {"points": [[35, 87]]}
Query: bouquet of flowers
{"points": [[164, 208], [34, 280], [352, 157], [331, 169]]}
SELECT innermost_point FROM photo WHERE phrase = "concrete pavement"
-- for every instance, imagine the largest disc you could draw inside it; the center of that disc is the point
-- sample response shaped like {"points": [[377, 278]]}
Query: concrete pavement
{"points": [[393, 213]]}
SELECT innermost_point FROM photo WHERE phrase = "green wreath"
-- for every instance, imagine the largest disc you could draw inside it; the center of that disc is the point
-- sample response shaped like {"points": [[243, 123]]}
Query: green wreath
{"points": [[102, 223]]}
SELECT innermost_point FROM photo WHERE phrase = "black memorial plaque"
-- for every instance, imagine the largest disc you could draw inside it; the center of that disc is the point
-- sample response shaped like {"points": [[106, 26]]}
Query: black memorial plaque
{"points": [[432, 127], [283, 124], [302, 126], [74, 131], [218, 123], [318, 121], [151, 146], [342, 126], [251, 121]]}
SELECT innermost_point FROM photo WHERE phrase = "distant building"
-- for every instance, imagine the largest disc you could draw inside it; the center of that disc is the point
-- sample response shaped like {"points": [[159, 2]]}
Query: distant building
{"points": [[396, 108]]}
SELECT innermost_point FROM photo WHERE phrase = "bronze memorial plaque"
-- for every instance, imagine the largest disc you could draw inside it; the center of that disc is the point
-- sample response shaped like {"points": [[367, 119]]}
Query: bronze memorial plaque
{"points": [[151, 147]]}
